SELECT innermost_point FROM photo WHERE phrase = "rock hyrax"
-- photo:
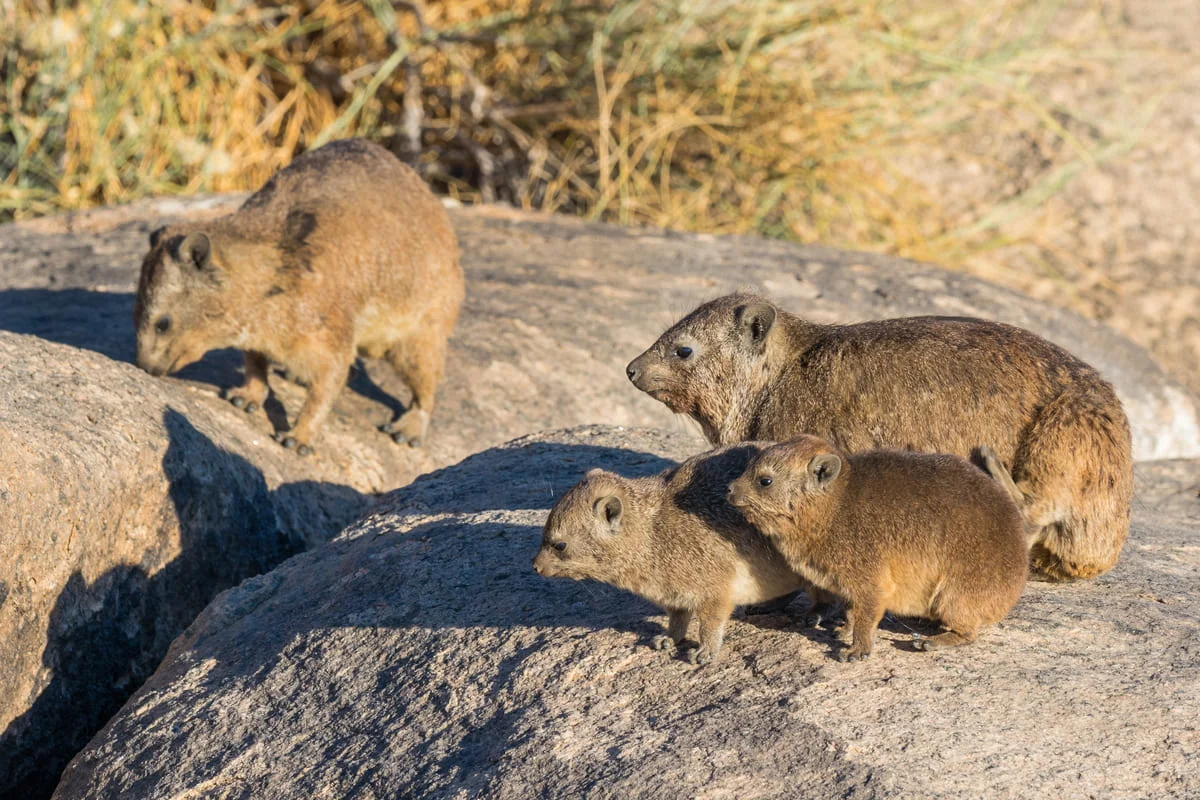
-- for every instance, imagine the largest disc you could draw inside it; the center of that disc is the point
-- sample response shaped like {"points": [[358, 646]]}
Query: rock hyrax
{"points": [[916, 534], [671, 538], [345, 252], [746, 370]]}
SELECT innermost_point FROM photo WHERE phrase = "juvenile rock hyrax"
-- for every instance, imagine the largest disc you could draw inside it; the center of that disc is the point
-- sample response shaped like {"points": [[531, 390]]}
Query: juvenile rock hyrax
{"points": [[916, 534], [345, 252], [672, 539], [746, 370]]}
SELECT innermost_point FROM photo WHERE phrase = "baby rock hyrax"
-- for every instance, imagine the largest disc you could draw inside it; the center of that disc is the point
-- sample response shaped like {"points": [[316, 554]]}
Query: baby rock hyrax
{"points": [[746, 370], [672, 539], [916, 534], [344, 252]]}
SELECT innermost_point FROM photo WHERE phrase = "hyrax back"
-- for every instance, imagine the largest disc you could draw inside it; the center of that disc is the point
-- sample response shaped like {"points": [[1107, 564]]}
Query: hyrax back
{"points": [[746, 370], [672, 539], [345, 252], [916, 534]]}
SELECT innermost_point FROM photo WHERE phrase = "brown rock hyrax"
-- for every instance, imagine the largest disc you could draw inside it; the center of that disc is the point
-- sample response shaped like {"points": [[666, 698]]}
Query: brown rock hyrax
{"points": [[745, 370], [345, 252], [917, 534], [672, 539]]}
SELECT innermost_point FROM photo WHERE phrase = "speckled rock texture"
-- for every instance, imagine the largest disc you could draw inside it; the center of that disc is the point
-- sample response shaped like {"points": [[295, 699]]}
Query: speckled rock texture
{"points": [[130, 501], [418, 655]]}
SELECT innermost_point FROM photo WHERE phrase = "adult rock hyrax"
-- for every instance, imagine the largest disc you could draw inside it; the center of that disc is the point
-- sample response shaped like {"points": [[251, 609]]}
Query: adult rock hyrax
{"points": [[672, 539], [746, 370], [344, 252], [917, 534]]}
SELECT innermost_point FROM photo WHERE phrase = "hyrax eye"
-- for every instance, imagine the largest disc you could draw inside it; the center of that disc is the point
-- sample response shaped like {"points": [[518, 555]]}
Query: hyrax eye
{"points": [[683, 352], [560, 546], [163, 325], [765, 481]]}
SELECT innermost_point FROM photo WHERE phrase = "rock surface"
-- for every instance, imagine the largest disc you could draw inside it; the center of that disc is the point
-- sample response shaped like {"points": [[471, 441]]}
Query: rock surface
{"points": [[130, 500], [419, 654]]}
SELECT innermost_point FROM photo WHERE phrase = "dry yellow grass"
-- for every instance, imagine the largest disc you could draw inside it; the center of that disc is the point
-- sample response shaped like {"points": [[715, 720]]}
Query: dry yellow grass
{"points": [[803, 120]]}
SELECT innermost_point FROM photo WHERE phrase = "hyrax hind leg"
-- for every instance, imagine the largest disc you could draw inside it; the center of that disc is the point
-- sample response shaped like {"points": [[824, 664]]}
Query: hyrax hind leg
{"points": [[419, 358], [253, 392], [1075, 472]]}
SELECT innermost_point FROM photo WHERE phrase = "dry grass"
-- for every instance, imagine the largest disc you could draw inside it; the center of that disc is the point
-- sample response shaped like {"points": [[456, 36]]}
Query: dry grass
{"points": [[815, 121]]}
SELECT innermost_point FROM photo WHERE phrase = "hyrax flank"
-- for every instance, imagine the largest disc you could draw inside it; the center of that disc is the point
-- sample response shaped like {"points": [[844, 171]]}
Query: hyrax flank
{"points": [[344, 252], [746, 370], [917, 534], [672, 539]]}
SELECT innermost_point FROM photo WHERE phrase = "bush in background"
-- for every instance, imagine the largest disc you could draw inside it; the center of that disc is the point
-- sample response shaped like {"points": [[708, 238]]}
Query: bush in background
{"points": [[832, 121]]}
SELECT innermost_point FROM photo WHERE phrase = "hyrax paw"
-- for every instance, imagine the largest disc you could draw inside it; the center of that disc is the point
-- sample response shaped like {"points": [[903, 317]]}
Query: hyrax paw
{"points": [[699, 656], [662, 643], [409, 427], [290, 443], [852, 654], [238, 400]]}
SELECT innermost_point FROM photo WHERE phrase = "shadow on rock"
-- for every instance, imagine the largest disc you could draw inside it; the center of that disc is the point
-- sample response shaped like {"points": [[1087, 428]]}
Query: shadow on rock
{"points": [[107, 635]]}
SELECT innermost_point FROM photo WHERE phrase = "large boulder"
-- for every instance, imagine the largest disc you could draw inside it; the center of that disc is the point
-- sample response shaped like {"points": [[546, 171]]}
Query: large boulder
{"points": [[100, 555], [419, 655]]}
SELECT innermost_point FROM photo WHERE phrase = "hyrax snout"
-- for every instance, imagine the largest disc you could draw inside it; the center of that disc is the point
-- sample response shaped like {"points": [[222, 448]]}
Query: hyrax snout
{"points": [[747, 370], [916, 534], [672, 539], [345, 252]]}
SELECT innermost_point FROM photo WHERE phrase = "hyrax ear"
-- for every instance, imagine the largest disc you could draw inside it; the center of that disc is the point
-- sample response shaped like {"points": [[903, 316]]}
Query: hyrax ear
{"points": [[755, 321], [609, 509], [824, 469], [156, 236], [196, 249]]}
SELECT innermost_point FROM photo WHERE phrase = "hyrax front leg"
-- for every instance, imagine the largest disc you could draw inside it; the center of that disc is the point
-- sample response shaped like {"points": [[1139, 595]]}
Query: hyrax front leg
{"points": [[322, 392], [862, 616], [419, 359], [677, 628], [251, 395], [713, 617]]}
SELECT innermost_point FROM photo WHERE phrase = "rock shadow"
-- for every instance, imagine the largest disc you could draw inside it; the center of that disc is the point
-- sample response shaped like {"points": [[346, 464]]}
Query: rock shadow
{"points": [[106, 636]]}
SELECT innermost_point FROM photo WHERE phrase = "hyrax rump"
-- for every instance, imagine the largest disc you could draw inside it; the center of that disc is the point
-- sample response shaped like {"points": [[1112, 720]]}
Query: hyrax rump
{"points": [[918, 534], [344, 252], [745, 370], [672, 539]]}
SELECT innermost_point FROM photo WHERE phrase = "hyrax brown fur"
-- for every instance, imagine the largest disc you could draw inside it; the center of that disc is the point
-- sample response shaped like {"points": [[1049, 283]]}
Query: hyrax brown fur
{"points": [[916, 534], [672, 539], [345, 252], [746, 370]]}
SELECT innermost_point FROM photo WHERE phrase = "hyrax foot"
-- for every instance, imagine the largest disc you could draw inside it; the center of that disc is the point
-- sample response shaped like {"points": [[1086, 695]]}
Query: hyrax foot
{"points": [[290, 443], [699, 656], [853, 653], [662, 642], [244, 399], [409, 427]]}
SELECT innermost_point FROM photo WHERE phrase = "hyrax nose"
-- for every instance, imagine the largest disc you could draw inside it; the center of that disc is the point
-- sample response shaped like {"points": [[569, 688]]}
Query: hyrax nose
{"points": [[632, 370]]}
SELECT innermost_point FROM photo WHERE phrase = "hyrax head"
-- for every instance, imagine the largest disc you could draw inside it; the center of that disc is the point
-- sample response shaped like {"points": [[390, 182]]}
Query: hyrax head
{"points": [[583, 537], [698, 366], [787, 481], [179, 313]]}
